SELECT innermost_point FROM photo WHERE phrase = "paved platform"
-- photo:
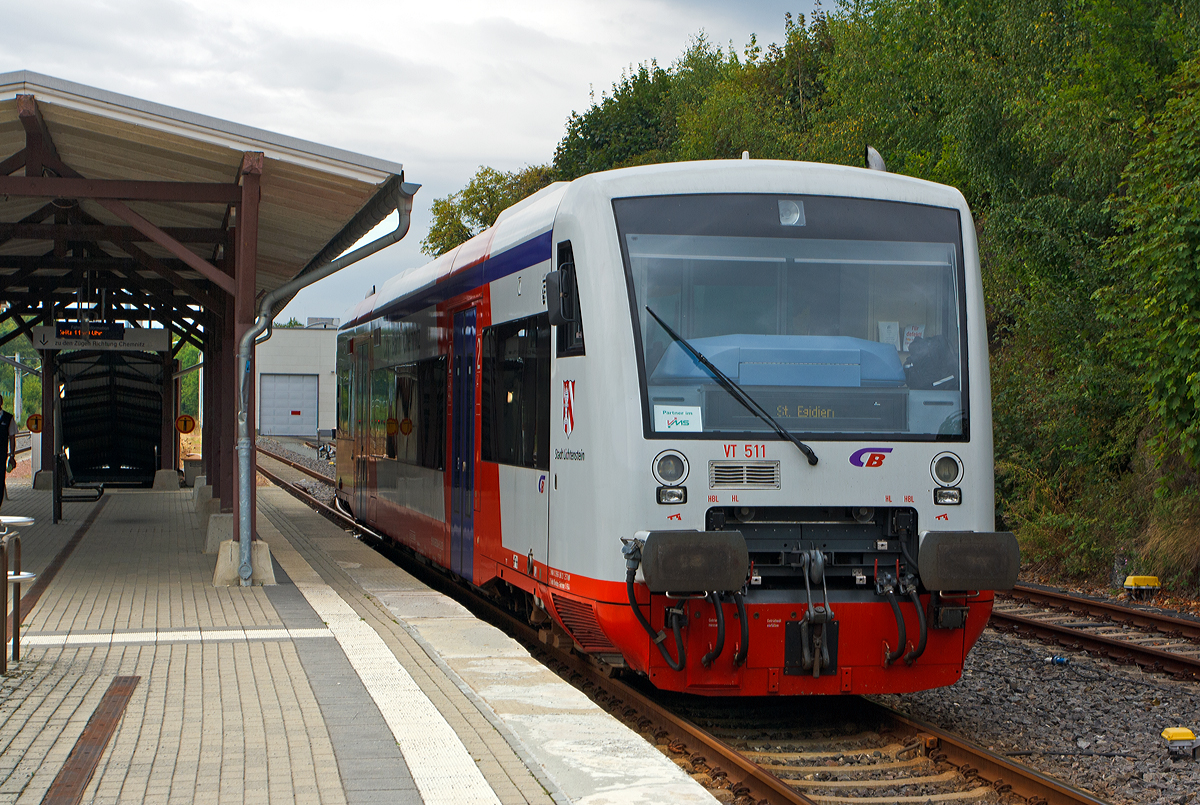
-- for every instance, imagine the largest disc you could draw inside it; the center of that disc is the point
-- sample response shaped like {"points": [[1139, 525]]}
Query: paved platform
{"points": [[347, 682]]}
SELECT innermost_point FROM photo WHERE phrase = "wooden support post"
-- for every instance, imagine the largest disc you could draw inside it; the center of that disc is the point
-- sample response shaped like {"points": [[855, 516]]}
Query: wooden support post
{"points": [[168, 446], [177, 386], [227, 403], [49, 394], [208, 422]]}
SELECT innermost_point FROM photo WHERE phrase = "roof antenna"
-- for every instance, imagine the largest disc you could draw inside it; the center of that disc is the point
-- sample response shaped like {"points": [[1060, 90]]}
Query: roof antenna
{"points": [[874, 160]]}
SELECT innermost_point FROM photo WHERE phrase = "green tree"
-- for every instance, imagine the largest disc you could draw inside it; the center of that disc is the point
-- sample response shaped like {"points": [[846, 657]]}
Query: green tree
{"points": [[1155, 307], [189, 385], [461, 216], [31, 383]]}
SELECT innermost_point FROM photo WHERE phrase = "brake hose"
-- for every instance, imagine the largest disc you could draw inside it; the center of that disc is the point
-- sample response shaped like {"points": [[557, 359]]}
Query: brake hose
{"points": [[912, 656], [708, 658], [740, 657], [633, 557], [903, 634]]}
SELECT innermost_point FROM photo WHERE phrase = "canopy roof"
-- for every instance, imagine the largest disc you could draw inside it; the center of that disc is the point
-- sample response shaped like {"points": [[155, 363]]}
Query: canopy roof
{"points": [[316, 201]]}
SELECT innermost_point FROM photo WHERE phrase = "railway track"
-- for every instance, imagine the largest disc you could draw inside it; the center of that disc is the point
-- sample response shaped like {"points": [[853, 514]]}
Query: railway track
{"points": [[761, 751], [1152, 640]]}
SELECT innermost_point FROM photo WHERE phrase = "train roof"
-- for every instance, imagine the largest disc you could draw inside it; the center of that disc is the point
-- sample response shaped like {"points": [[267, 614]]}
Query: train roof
{"points": [[521, 235]]}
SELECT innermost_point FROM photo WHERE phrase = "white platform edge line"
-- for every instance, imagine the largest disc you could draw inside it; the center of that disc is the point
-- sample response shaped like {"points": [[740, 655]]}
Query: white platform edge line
{"points": [[540, 773], [180, 636], [441, 766]]}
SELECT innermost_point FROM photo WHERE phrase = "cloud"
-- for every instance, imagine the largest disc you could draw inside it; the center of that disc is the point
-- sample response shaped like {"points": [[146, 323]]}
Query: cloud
{"points": [[440, 87]]}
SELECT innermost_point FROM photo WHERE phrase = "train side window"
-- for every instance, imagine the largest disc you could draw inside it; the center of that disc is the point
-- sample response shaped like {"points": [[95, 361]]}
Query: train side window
{"points": [[431, 413], [570, 335], [516, 393], [417, 403]]}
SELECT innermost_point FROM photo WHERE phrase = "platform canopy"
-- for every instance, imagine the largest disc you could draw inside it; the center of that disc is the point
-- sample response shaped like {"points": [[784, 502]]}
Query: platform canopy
{"points": [[115, 208], [145, 218]]}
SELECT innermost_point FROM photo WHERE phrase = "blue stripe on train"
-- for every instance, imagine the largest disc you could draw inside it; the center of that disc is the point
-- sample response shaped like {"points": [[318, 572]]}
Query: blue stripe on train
{"points": [[522, 256]]}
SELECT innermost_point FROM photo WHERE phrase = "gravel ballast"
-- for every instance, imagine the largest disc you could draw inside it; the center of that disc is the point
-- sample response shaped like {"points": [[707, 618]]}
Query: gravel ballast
{"points": [[321, 491], [1090, 722]]}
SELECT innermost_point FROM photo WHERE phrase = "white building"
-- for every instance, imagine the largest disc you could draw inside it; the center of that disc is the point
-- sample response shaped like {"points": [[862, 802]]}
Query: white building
{"points": [[294, 375]]}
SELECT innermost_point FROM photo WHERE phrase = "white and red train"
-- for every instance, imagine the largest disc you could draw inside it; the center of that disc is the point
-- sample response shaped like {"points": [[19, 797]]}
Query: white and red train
{"points": [[751, 396]]}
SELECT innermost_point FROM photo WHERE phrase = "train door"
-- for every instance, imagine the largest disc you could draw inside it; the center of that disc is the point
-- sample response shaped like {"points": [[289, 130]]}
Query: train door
{"points": [[462, 446], [361, 418]]}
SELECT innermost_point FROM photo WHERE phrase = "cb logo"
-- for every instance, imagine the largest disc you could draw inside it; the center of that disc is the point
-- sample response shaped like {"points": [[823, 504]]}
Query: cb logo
{"points": [[869, 456]]}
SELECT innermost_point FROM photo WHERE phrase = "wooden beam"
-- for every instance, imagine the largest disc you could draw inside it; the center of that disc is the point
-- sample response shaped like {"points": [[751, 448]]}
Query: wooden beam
{"points": [[39, 145], [206, 269], [109, 189], [23, 328], [148, 261], [36, 217], [16, 277], [98, 232], [13, 164]]}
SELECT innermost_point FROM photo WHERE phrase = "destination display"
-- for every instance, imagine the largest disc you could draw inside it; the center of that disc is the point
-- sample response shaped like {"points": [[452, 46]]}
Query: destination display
{"points": [[90, 330], [807, 410]]}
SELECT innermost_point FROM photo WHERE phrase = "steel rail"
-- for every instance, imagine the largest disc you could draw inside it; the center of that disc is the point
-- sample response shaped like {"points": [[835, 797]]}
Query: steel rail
{"points": [[1145, 619], [1114, 648], [294, 465], [1000, 772], [1003, 774]]}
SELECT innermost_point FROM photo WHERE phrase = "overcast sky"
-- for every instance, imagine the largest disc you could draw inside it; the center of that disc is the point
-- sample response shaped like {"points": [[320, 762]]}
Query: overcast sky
{"points": [[441, 87]]}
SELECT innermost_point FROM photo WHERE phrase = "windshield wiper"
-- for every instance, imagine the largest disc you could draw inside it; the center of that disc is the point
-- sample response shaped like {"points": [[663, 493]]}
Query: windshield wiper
{"points": [[735, 391]]}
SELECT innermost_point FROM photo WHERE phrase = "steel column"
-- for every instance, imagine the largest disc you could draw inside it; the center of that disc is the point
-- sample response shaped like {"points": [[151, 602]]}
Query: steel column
{"points": [[245, 276]]}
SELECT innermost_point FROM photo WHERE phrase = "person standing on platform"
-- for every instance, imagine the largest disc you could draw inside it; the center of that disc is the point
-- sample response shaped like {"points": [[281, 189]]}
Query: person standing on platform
{"points": [[8, 427]]}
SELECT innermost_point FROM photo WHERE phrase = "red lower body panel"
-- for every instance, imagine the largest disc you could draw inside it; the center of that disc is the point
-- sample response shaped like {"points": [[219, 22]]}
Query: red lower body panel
{"points": [[867, 631]]}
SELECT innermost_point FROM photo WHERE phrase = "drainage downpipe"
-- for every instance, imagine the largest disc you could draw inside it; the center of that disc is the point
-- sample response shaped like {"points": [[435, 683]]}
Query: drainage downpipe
{"points": [[266, 311]]}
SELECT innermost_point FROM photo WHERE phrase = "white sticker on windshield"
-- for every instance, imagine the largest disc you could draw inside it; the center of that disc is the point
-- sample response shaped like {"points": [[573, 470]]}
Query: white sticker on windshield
{"points": [[677, 418]]}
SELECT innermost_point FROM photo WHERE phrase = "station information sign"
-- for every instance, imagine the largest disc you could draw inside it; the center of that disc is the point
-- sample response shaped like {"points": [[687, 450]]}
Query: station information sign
{"points": [[89, 330], [82, 337]]}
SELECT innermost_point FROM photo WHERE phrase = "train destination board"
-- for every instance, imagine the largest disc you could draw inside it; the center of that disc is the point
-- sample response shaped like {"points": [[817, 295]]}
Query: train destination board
{"points": [[132, 338]]}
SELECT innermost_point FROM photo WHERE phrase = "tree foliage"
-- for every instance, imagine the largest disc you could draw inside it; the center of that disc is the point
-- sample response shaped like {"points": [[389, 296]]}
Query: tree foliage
{"points": [[1154, 307], [1071, 127], [460, 216]]}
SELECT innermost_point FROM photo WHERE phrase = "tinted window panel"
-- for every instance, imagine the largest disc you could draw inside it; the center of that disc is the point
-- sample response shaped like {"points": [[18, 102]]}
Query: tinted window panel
{"points": [[516, 393]]}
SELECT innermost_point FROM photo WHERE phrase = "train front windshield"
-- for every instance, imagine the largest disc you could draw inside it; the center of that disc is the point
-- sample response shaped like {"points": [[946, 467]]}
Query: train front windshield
{"points": [[842, 317]]}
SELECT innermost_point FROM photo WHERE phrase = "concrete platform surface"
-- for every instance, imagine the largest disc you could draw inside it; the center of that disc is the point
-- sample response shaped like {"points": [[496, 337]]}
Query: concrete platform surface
{"points": [[346, 682]]}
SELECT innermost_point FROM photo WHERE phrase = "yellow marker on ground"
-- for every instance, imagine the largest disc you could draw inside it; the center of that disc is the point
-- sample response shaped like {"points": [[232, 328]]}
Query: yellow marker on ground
{"points": [[1181, 739], [1142, 586]]}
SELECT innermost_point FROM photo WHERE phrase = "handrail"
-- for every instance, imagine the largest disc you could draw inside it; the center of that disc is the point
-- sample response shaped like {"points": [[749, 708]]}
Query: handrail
{"points": [[16, 616], [14, 578]]}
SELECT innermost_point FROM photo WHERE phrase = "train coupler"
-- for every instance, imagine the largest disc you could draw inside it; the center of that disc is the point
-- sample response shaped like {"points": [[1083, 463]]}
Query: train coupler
{"points": [[810, 646]]}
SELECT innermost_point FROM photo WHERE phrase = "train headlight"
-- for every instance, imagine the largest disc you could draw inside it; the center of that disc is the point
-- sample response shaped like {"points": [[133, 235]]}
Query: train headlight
{"points": [[672, 494], [670, 468], [947, 469], [947, 497]]}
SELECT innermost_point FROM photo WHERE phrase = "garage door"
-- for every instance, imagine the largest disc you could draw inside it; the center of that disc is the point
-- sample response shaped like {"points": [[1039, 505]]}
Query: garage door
{"points": [[288, 405]]}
